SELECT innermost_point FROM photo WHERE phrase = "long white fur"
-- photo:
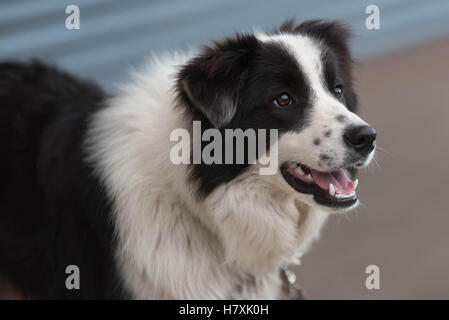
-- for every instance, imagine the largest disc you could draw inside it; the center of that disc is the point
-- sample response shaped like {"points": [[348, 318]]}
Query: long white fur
{"points": [[233, 243]]}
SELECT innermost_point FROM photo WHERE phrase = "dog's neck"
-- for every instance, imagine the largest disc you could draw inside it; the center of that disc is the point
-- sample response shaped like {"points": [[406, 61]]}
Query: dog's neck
{"points": [[248, 234], [260, 229], [231, 245]]}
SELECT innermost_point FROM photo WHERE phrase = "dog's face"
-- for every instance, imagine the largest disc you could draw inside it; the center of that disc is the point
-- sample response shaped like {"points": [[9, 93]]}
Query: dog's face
{"points": [[297, 80]]}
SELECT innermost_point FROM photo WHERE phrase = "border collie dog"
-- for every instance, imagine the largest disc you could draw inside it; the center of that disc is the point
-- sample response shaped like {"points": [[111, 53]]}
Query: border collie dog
{"points": [[87, 179]]}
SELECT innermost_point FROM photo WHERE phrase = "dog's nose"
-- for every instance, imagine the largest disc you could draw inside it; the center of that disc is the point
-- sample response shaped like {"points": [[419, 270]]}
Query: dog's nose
{"points": [[362, 139]]}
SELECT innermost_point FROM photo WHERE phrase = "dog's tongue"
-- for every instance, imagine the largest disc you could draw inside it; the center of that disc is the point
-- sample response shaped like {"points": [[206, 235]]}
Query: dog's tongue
{"points": [[341, 182]]}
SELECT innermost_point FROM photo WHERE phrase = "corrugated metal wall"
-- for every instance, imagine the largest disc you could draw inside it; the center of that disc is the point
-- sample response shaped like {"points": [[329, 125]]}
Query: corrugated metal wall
{"points": [[117, 34]]}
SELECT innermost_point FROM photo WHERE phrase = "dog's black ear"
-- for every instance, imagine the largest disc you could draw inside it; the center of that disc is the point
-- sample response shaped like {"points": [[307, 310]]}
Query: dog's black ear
{"points": [[211, 82]]}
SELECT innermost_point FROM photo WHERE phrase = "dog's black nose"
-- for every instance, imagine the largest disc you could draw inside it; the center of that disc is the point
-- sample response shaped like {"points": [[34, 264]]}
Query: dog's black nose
{"points": [[362, 139]]}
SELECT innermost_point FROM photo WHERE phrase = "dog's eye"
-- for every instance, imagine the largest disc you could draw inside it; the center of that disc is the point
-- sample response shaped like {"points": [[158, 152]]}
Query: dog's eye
{"points": [[284, 100], [338, 91]]}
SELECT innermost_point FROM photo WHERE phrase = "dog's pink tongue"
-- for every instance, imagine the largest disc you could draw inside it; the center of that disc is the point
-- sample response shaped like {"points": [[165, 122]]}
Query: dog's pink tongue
{"points": [[341, 182]]}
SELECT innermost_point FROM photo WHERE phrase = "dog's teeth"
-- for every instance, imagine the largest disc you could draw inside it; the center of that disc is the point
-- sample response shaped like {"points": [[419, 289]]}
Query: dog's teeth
{"points": [[343, 196], [356, 183], [309, 177], [299, 170], [331, 190]]}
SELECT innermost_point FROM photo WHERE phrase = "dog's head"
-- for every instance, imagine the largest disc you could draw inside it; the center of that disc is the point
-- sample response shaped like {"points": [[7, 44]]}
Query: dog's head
{"points": [[297, 80]]}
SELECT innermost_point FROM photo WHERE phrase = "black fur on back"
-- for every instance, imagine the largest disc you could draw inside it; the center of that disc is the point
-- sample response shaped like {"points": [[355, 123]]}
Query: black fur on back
{"points": [[53, 211]]}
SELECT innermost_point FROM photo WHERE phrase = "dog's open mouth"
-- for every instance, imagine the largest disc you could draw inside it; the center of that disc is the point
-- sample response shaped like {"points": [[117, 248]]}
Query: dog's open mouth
{"points": [[332, 189]]}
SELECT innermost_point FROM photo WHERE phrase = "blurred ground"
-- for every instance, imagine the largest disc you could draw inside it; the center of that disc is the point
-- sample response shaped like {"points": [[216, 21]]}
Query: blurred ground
{"points": [[402, 226]]}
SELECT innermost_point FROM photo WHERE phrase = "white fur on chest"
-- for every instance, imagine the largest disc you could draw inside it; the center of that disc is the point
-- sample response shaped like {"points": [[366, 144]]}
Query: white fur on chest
{"points": [[230, 245]]}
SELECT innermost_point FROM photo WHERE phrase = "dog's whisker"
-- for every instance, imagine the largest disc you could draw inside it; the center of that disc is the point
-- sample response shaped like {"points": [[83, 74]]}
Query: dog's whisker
{"points": [[385, 151], [361, 204], [376, 162]]}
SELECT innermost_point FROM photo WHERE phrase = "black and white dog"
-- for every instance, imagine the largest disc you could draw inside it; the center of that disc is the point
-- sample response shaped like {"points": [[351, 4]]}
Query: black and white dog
{"points": [[87, 179]]}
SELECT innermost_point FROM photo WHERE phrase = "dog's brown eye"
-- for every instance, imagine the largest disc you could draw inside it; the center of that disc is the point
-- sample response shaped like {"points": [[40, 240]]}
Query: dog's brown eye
{"points": [[338, 90], [284, 100]]}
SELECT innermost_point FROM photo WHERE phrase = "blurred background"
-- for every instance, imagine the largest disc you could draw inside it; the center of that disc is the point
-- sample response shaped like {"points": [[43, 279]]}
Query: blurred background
{"points": [[403, 83]]}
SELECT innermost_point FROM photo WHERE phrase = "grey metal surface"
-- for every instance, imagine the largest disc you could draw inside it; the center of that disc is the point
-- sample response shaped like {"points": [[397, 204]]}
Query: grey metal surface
{"points": [[116, 34]]}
